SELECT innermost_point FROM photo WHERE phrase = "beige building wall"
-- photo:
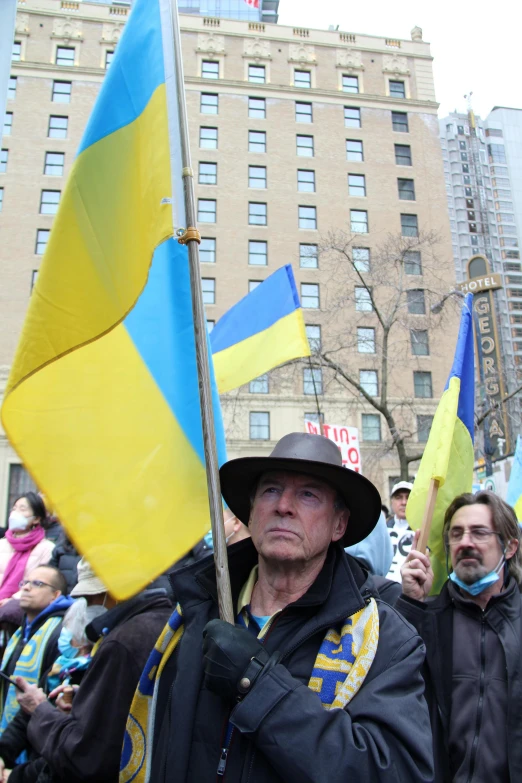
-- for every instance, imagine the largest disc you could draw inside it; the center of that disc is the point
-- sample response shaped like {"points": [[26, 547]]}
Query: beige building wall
{"points": [[93, 31]]}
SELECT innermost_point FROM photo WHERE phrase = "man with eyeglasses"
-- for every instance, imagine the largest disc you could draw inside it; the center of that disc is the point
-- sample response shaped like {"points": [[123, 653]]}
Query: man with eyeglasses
{"points": [[473, 636], [33, 648]]}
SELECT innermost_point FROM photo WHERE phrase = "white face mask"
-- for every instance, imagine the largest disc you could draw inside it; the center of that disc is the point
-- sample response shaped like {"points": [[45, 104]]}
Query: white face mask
{"points": [[17, 521]]}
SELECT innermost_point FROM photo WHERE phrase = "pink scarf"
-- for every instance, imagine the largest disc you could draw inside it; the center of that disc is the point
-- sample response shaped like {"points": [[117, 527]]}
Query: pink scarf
{"points": [[15, 569]]}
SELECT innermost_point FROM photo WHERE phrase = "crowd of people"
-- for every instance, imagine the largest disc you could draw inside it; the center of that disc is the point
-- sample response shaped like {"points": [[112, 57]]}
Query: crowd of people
{"points": [[340, 666]]}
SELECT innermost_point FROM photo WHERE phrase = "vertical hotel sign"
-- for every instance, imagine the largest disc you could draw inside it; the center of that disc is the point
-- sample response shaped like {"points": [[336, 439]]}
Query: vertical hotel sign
{"points": [[481, 283]]}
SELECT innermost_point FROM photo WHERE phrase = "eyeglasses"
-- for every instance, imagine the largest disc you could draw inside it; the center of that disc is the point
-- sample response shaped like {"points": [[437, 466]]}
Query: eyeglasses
{"points": [[34, 583], [477, 535]]}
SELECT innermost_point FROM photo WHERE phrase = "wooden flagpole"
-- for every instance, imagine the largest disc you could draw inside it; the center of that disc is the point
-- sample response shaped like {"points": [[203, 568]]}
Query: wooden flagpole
{"points": [[428, 515], [191, 238]]}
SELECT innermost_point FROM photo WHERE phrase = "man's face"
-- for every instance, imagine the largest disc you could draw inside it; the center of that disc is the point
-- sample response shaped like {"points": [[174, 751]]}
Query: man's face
{"points": [[35, 598], [398, 503], [473, 559], [293, 517]]}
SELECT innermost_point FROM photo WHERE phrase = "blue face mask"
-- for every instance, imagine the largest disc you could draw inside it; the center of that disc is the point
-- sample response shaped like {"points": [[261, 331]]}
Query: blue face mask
{"points": [[65, 644], [481, 584]]}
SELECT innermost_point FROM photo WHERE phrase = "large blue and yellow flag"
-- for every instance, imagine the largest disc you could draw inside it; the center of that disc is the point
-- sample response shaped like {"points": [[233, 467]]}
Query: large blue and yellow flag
{"points": [[514, 493], [448, 456], [263, 330], [102, 402]]}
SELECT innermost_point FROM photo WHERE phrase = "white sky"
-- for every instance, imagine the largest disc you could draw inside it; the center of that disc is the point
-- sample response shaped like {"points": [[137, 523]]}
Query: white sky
{"points": [[476, 46]]}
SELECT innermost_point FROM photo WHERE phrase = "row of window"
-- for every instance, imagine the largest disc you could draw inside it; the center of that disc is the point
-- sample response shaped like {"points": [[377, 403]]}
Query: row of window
{"points": [[209, 104], [65, 55], [60, 91], [259, 426], [207, 175]]}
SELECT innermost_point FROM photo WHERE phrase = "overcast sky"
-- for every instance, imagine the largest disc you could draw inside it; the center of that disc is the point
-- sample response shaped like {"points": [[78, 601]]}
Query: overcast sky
{"points": [[476, 46]]}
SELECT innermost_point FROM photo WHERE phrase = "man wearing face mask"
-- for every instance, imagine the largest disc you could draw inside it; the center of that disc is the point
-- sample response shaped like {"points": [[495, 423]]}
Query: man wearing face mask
{"points": [[473, 633], [84, 744]]}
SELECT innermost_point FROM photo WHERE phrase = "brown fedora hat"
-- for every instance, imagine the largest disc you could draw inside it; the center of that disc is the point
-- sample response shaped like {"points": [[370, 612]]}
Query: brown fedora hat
{"points": [[313, 455]]}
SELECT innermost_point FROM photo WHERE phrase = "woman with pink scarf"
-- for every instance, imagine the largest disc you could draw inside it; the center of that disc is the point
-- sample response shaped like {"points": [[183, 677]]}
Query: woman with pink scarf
{"points": [[23, 548]]}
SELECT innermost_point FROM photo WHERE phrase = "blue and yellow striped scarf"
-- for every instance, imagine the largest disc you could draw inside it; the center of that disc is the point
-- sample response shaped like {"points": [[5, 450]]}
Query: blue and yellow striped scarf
{"points": [[343, 661]]}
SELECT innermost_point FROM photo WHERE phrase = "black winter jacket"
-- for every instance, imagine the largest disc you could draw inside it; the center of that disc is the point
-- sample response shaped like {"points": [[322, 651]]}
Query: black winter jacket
{"points": [[65, 557], [281, 731], [473, 683], [84, 746]]}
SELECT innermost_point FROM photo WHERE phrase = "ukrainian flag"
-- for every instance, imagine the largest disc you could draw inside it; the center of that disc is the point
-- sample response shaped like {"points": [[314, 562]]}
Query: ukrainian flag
{"points": [[514, 493], [263, 330], [448, 457], [102, 402]]}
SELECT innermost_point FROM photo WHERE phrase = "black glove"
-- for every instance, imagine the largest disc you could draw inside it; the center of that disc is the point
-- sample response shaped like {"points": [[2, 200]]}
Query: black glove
{"points": [[233, 659]]}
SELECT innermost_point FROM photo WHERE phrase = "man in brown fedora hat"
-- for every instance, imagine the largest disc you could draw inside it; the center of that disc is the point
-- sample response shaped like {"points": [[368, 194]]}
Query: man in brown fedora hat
{"points": [[317, 681]]}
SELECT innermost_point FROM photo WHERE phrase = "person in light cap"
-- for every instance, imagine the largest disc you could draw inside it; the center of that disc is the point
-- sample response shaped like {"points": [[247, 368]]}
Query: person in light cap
{"points": [[401, 534]]}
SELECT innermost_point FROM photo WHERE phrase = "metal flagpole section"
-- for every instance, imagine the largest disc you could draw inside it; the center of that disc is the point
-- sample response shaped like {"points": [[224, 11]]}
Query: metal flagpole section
{"points": [[191, 238]]}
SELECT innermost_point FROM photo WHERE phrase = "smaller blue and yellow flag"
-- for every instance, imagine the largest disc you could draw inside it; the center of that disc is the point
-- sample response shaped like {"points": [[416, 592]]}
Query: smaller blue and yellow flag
{"points": [[263, 330], [514, 493], [448, 457]]}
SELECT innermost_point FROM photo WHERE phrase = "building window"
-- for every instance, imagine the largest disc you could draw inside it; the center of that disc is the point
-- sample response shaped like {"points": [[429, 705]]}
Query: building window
{"points": [[252, 285], [109, 55], [61, 92], [49, 201], [350, 83], [42, 237], [257, 108], [54, 163], [207, 173], [365, 340], [208, 288], [256, 141], [409, 226], [419, 342], [310, 296], [209, 103], [422, 384], [371, 427], [257, 253], [8, 123], [361, 259], [306, 180], [397, 89], [257, 176], [207, 250], [208, 138], [423, 428], [1, 198], [257, 215], [16, 51], [312, 380], [465, 167], [256, 74], [416, 301], [34, 277], [207, 210], [313, 332], [412, 262], [357, 185], [497, 153], [358, 221], [302, 79], [303, 112], [307, 217], [400, 121], [11, 89], [259, 385], [65, 55], [210, 69], [210, 325], [463, 155], [259, 425], [308, 256], [369, 381], [57, 127], [406, 189], [4, 154], [305, 146], [363, 300], [352, 117], [354, 149], [403, 155]]}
